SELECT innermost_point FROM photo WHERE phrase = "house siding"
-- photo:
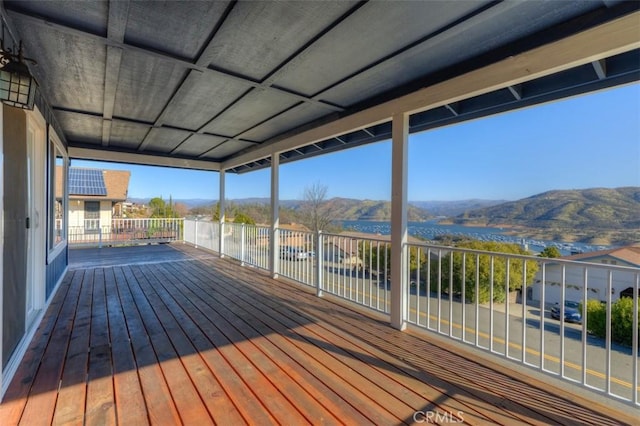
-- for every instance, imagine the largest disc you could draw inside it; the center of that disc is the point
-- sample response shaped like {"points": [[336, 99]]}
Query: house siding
{"points": [[597, 283], [55, 269]]}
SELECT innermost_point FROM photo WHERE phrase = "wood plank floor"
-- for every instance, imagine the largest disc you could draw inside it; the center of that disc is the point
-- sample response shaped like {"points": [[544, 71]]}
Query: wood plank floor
{"points": [[198, 340]]}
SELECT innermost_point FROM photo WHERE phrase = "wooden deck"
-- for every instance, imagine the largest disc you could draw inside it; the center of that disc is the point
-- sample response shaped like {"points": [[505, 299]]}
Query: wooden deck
{"points": [[198, 340]]}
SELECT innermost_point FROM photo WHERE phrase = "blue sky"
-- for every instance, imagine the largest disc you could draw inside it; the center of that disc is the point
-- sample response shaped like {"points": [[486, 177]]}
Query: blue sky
{"points": [[583, 142]]}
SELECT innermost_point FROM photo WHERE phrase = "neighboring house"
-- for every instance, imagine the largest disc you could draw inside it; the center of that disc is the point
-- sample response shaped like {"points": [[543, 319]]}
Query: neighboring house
{"points": [[95, 197], [343, 252], [344, 249], [622, 282]]}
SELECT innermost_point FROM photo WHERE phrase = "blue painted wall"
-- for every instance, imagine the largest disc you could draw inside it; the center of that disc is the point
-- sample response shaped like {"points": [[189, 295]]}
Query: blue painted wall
{"points": [[55, 269]]}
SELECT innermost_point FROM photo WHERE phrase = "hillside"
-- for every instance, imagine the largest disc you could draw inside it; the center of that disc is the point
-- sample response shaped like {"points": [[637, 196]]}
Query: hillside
{"points": [[589, 215], [454, 208], [339, 208], [350, 209]]}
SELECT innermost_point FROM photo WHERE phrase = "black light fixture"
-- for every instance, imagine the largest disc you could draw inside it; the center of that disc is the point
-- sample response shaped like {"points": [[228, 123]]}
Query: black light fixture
{"points": [[17, 85]]}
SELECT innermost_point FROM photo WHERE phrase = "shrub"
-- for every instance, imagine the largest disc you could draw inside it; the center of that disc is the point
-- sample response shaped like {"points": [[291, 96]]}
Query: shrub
{"points": [[596, 318], [621, 320]]}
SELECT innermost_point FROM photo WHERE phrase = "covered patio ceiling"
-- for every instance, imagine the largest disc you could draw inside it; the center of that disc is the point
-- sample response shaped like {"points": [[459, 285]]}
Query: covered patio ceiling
{"points": [[225, 85]]}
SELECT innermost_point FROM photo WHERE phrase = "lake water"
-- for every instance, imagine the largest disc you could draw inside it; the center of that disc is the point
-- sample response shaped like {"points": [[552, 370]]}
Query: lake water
{"points": [[431, 229]]}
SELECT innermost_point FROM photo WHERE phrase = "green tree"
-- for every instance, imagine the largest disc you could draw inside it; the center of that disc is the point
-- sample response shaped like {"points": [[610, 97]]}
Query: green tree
{"points": [[215, 212], [376, 256], [489, 270], [158, 207], [243, 218], [550, 251]]}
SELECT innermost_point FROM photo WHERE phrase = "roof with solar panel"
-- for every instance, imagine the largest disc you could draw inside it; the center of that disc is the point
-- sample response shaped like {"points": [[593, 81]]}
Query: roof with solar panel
{"points": [[86, 182], [95, 184]]}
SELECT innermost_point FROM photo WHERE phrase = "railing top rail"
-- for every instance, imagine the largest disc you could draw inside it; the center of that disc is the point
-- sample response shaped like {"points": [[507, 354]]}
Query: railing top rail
{"points": [[547, 260], [359, 238]]}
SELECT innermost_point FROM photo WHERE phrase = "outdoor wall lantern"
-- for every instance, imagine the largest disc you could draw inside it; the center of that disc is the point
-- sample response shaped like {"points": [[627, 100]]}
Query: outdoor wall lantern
{"points": [[17, 85]]}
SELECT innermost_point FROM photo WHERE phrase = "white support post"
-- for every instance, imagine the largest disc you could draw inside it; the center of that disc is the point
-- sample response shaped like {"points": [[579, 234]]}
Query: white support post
{"points": [[195, 237], [3, 384], [242, 245], [319, 263], [221, 214], [399, 164], [274, 242]]}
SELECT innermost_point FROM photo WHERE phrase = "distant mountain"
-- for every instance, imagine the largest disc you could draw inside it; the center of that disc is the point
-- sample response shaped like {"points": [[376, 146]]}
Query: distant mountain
{"points": [[454, 208], [351, 209], [596, 208], [189, 202]]}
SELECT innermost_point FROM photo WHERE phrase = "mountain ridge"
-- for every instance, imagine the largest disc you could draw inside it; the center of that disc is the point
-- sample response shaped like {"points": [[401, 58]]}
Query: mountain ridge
{"points": [[556, 212], [594, 207]]}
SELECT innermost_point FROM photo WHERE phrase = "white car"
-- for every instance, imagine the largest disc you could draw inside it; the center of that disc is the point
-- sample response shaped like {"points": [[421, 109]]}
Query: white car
{"points": [[292, 253]]}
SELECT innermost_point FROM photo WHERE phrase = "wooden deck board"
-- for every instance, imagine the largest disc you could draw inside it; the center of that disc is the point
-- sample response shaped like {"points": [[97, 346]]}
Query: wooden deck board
{"points": [[71, 397], [186, 398], [197, 340], [129, 400], [488, 407], [16, 396], [40, 406], [353, 380], [270, 372], [160, 406], [366, 368]]}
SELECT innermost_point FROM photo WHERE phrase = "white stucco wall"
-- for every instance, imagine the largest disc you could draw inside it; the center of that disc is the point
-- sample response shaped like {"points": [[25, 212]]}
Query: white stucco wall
{"points": [[76, 213], [597, 282]]}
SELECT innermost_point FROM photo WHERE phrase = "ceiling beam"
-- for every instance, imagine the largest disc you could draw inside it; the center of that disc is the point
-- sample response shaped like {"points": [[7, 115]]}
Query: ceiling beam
{"points": [[516, 91], [612, 38], [452, 109], [143, 159], [116, 26], [600, 67]]}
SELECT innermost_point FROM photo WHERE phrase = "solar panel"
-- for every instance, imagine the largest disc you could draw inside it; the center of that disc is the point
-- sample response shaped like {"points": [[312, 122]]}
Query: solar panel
{"points": [[86, 182]]}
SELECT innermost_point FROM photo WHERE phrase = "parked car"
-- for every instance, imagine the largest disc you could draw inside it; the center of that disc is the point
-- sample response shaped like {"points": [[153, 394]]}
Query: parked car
{"points": [[571, 312], [292, 253]]}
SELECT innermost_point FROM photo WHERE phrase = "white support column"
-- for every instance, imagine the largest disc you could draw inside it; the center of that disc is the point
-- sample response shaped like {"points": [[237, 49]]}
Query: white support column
{"points": [[399, 165], [221, 213], [274, 242], [319, 261], [3, 385]]}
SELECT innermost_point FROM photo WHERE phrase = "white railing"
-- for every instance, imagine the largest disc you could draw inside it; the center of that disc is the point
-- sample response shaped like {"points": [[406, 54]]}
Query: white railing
{"points": [[247, 243], [297, 250], [502, 303], [203, 234], [497, 302], [127, 232], [357, 269]]}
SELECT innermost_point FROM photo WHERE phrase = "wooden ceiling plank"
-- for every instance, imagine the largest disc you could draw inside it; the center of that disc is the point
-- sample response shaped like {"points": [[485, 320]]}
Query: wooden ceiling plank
{"points": [[35, 21]]}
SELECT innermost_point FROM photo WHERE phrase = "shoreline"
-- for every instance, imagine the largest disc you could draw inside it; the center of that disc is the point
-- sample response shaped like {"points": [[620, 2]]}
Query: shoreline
{"points": [[586, 237]]}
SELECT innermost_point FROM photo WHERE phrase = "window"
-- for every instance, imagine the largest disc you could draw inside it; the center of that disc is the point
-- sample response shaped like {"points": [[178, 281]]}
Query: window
{"points": [[91, 217], [57, 233]]}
